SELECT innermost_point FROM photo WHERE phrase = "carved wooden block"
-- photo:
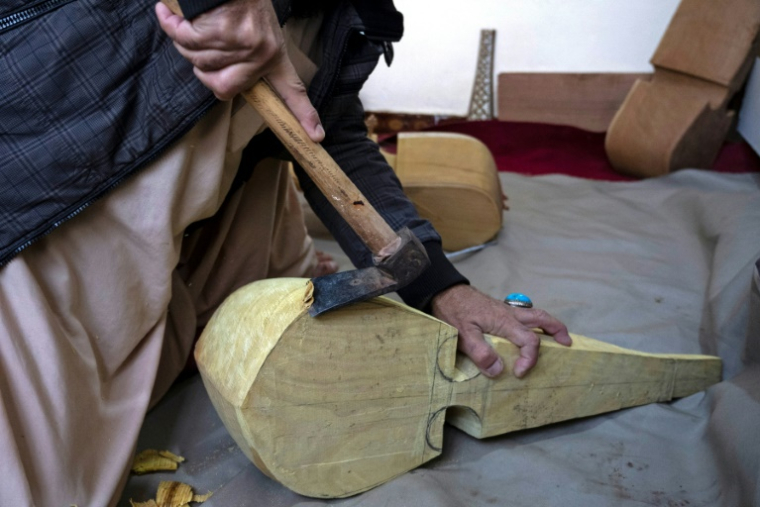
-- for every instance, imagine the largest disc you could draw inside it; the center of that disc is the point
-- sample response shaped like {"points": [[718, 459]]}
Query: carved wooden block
{"points": [[453, 182], [681, 118], [335, 405]]}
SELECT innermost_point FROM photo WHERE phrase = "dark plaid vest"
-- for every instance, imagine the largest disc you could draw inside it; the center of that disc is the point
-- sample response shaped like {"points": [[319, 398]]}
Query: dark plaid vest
{"points": [[91, 91]]}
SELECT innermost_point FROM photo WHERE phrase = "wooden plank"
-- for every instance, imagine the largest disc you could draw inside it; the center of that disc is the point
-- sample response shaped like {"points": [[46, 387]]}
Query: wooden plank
{"points": [[335, 405], [584, 100]]}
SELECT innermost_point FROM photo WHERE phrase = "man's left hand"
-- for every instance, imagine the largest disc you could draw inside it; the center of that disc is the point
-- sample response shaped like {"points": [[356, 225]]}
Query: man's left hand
{"points": [[474, 313]]}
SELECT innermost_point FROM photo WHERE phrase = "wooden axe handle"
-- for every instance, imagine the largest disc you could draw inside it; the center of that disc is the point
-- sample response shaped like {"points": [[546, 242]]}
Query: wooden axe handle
{"points": [[373, 230]]}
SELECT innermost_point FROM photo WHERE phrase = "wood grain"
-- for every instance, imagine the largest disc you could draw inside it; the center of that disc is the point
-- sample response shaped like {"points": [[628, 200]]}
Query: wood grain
{"points": [[670, 123], [681, 118], [336, 405], [348, 200], [710, 40], [584, 100], [453, 182]]}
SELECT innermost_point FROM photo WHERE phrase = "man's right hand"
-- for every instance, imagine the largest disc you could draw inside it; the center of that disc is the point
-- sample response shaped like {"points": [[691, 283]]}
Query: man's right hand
{"points": [[234, 45]]}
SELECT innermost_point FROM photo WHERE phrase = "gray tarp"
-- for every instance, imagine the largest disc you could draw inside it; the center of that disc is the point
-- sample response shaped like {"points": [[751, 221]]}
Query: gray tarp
{"points": [[662, 265]]}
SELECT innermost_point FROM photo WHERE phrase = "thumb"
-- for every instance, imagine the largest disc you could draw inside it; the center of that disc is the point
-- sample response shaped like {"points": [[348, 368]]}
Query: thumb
{"points": [[473, 345], [285, 81]]}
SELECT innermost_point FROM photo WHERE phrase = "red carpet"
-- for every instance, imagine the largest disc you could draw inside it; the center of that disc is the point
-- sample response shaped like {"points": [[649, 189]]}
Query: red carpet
{"points": [[535, 149]]}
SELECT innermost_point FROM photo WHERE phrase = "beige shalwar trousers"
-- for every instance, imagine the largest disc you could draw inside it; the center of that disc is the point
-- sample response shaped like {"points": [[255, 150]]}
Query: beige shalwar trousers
{"points": [[98, 318]]}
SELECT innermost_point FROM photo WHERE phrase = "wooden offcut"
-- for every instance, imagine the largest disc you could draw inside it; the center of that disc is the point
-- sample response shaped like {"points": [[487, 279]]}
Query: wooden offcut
{"points": [[453, 182], [335, 405], [680, 118], [584, 100]]}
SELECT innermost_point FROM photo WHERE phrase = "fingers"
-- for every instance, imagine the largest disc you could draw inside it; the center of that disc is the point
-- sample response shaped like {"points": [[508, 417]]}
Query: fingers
{"points": [[209, 60], [473, 345], [474, 313], [529, 344], [285, 81], [232, 47], [168, 21], [203, 33], [534, 317], [227, 82]]}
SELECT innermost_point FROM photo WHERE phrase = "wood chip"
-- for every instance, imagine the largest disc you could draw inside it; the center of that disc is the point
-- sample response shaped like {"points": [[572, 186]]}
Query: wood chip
{"points": [[177, 494], [202, 498], [151, 460], [308, 298], [173, 494]]}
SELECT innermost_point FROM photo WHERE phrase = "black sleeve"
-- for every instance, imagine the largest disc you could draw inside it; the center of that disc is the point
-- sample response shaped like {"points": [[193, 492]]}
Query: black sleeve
{"points": [[360, 158], [194, 8]]}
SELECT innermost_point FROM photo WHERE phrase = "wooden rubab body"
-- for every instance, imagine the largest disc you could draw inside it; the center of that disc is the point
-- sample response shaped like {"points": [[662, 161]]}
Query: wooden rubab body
{"points": [[453, 182], [335, 405]]}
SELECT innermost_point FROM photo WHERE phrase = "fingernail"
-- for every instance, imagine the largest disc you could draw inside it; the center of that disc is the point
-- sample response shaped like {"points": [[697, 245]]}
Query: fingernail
{"points": [[495, 368], [320, 130]]}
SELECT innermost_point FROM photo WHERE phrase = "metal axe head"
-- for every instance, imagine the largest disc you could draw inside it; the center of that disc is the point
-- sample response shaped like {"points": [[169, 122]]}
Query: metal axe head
{"points": [[388, 275]]}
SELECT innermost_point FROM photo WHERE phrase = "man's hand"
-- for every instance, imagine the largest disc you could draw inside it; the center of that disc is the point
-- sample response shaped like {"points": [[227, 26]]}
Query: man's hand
{"points": [[474, 313], [234, 45]]}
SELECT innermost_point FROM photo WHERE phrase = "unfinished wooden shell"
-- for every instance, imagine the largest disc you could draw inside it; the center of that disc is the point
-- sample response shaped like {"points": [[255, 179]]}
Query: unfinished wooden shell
{"points": [[453, 182], [335, 405]]}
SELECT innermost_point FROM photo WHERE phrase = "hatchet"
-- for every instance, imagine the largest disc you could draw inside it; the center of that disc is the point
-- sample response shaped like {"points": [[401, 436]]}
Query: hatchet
{"points": [[398, 257]]}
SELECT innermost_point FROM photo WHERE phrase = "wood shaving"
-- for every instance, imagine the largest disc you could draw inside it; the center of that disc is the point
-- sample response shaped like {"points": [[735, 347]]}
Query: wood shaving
{"points": [[202, 498], [151, 460], [308, 298], [149, 503], [173, 494]]}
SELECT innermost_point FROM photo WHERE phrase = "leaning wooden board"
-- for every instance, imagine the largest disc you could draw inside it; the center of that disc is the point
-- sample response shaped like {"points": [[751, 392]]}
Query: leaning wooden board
{"points": [[335, 405]]}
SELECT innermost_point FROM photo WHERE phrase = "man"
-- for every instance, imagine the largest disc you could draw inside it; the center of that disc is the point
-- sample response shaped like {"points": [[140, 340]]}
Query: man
{"points": [[135, 201]]}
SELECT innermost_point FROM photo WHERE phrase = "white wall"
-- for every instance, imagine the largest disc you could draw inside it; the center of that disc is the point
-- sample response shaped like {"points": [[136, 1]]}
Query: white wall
{"points": [[435, 62]]}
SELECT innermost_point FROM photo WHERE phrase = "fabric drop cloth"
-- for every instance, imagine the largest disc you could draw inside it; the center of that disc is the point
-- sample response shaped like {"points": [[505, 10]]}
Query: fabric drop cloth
{"points": [[663, 265]]}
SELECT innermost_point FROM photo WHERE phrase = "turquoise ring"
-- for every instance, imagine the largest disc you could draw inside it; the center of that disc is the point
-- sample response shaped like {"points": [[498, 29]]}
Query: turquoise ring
{"points": [[518, 300]]}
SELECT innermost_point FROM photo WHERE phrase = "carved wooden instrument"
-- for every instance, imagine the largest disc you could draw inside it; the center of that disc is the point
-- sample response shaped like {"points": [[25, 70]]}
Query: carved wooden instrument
{"points": [[334, 406]]}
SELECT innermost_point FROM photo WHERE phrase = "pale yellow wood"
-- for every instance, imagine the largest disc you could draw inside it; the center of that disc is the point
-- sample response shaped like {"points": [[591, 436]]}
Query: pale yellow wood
{"points": [[335, 405], [453, 182], [245, 329], [342, 402], [590, 378]]}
